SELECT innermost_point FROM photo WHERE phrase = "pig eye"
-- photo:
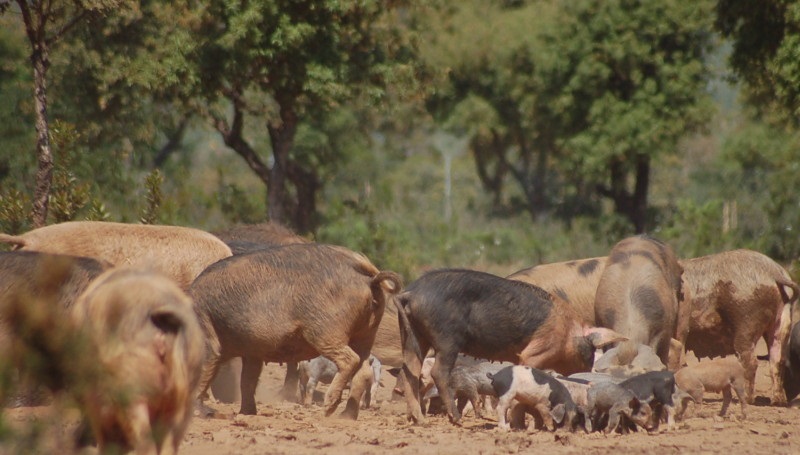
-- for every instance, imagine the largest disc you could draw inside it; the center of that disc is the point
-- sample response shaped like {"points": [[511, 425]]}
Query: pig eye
{"points": [[166, 322]]}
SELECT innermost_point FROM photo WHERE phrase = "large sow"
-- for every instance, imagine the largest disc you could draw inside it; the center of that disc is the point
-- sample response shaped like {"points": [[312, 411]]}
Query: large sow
{"points": [[465, 311], [181, 253], [738, 297], [289, 304], [640, 295]]}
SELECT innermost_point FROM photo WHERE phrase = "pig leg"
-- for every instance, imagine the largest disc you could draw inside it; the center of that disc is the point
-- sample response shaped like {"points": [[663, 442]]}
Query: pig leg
{"points": [[251, 370], [358, 386], [738, 387], [441, 377], [210, 368], [613, 418], [775, 339], [503, 403], [290, 382], [307, 392], [747, 357], [348, 362], [517, 416], [726, 400]]}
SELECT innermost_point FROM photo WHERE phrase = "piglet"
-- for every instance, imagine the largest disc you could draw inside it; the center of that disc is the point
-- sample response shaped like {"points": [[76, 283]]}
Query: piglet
{"points": [[716, 375], [322, 370], [617, 405], [534, 390], [656, 388]]}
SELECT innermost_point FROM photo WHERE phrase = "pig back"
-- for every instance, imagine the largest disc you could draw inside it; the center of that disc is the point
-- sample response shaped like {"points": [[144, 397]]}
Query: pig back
{"points": [[486, 316], [271, 295], [178, 252], [573, 281], [732, 293], [638, 293]]}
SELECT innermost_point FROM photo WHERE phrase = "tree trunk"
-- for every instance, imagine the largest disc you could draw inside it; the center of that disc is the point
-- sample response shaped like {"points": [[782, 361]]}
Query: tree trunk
{"points": [[306, 185], [632, 206], [40, 59], [638, 213], [282, 138]]}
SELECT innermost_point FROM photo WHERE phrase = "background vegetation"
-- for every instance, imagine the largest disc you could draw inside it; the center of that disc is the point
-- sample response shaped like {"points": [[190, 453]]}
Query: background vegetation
{"points": [[492, 134]]}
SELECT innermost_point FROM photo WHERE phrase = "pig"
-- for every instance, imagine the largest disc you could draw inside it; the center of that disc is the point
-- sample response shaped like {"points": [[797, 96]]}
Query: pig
{"points": [[716, 375], [607, 401], [574, 281], [537, 391], [639, 294], [469, 382], [738, 297], [181, 253], [17, 272], [629, 358], [791, 368], [485, 316], [657, 389], [293, 303], [268, 233], [149, 346], [578, 390], [321, 370], [244, 238]]}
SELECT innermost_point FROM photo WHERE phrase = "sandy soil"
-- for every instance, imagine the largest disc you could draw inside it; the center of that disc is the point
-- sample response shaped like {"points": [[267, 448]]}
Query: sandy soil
{"points": [[287, 428]]}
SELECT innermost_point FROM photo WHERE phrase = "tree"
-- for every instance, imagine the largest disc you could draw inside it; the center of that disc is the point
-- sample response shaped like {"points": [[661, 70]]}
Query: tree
{"points": [[488, 50], [586, 98], [47, 22], [279, 63], [765, 40]]}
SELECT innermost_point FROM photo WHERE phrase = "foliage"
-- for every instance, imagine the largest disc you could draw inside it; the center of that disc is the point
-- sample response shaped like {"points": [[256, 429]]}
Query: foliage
{"points": [[573, 100], [153, 198], [766, 53], [14, 209]]}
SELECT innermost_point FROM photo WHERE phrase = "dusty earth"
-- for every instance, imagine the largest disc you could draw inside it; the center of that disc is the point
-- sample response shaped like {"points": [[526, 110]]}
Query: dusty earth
{"points": [[287, 428]]}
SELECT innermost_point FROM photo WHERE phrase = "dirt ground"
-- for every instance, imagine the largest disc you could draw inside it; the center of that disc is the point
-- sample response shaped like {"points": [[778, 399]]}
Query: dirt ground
{"points": [[287, 428]]}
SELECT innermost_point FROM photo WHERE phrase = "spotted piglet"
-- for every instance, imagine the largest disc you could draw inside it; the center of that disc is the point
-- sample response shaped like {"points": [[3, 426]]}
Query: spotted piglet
{"points": [[537, 392]]}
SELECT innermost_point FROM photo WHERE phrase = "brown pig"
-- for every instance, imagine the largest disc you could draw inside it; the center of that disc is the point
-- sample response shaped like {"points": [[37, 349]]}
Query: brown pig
{"points": [[149, 348], [289, 304], [639, 294], [716, 375], [738, 297], [181, 253], [243, 238], [574, 281]]}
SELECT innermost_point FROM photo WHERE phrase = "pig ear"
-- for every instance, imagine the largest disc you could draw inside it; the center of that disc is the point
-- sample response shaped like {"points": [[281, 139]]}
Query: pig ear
{"points": [[558, 413], [601, 337]]}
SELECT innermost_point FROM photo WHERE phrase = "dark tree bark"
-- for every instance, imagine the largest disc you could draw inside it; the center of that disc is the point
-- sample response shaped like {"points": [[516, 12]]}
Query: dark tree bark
{"points": [[282, 138], [631, 205]]}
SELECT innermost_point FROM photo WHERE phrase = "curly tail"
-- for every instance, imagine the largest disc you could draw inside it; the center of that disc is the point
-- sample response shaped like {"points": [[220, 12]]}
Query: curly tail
{"points": [[785, 325], [16, 241], [782, 285]]}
